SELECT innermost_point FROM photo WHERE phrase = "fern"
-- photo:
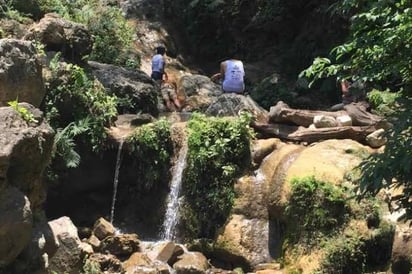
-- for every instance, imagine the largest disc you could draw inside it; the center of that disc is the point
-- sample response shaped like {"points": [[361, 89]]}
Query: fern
{"points": [[65, 144]]}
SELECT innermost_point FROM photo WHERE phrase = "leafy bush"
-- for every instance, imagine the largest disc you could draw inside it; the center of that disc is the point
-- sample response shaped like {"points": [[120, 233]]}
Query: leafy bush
{"points": [[355, 252], [12, 9], [392, 169], [314, 207], [90, 266], [375, 52], [383, 102], [65, 145], [219, 151], [344, 255], [152, 145], [74, 96], [349, 234], [113, 36]]}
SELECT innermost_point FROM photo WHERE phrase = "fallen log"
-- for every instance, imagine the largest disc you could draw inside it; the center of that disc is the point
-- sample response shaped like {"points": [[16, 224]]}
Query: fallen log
{"points": [[282, 113], [360, 117], [309, 135]]}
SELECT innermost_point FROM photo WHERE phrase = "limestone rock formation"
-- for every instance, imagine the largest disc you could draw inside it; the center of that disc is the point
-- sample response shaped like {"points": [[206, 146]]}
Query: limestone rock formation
{"points": [[20, 73], [68, 256], [25, 150], [58, 34], [231, 104], [199, 90], [134, 86], [15, 224]]}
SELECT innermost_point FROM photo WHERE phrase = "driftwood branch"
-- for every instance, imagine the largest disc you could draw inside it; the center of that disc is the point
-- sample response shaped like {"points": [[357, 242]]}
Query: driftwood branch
{"points": [[309, 135], [282, 113]]}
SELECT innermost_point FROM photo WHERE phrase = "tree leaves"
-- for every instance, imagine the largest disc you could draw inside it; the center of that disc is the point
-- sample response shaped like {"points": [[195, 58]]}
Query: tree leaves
{"points": [[378, 51]]}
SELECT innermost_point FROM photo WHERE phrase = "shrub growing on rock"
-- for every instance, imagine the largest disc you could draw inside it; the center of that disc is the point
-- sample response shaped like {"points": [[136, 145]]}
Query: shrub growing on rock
{"points": [[346, 235], [219, 151]]}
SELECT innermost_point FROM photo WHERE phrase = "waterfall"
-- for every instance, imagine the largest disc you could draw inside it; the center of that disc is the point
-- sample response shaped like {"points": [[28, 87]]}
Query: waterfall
{"points": [[172, 209], [116, 179]]}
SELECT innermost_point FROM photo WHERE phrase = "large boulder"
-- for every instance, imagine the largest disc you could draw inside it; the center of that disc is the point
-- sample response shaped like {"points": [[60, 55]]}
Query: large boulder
{"points": [[25, 151], [15, 224], [329, 160], [122, 245], [231, 104], [199, 90], [250, 236], [191, 262], [20, 73], [68, 256], [58, 34], [134, 87], [26, 142]]}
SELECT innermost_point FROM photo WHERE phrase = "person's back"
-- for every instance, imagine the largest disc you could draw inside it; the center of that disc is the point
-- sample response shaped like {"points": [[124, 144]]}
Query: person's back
{"points": [[158, 64], [233, 76]]}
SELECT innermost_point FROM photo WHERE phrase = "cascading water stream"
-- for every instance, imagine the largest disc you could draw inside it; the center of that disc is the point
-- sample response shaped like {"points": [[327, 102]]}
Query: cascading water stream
{"points": [[116, 179], [172, 209]]}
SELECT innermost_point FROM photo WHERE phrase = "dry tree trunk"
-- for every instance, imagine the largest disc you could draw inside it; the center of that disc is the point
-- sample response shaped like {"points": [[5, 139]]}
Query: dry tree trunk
{"points": [[282, 113]]}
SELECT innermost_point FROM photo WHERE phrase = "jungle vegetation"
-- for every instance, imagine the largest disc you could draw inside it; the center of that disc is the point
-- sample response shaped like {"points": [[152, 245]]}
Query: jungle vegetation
{"points": [[378, 52]]}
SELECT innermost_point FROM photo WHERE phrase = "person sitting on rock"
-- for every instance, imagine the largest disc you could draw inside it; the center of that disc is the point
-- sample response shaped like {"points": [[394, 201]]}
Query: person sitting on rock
{"points": [[168, 90], [351, 92], [232, 74]]}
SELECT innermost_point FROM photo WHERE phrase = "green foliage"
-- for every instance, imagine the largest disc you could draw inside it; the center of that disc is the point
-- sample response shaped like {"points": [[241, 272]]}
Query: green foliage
{"points": [[65, 144], [74, 96], [345, 255], [350, 233], [379, 245], [8, 10], [112, 34], [377, 47], [91, 267], [152, 145], [393, 168], [378, 51], [268, 92], [219, 151], [383, 102], [24, 113], [314, 207], [355, 252]]}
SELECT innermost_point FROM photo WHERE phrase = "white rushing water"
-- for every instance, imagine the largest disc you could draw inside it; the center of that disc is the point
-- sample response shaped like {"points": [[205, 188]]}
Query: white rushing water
{"points": [[172, 209], [116, 179]]}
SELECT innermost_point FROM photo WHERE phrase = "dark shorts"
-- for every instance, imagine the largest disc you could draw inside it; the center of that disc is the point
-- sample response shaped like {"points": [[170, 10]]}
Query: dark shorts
{"points": [[156, 75]]}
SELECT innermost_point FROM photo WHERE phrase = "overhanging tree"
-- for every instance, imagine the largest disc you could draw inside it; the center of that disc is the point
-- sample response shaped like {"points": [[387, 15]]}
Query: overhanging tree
{"points": [[378, 51]]}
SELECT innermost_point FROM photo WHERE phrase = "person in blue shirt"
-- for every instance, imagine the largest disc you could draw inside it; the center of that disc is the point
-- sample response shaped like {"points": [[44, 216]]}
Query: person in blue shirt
{"points": [[158, 65]]}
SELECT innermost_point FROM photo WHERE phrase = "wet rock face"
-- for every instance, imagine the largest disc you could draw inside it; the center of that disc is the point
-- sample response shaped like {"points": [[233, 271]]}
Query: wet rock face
{"points": [[20, 73]]}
